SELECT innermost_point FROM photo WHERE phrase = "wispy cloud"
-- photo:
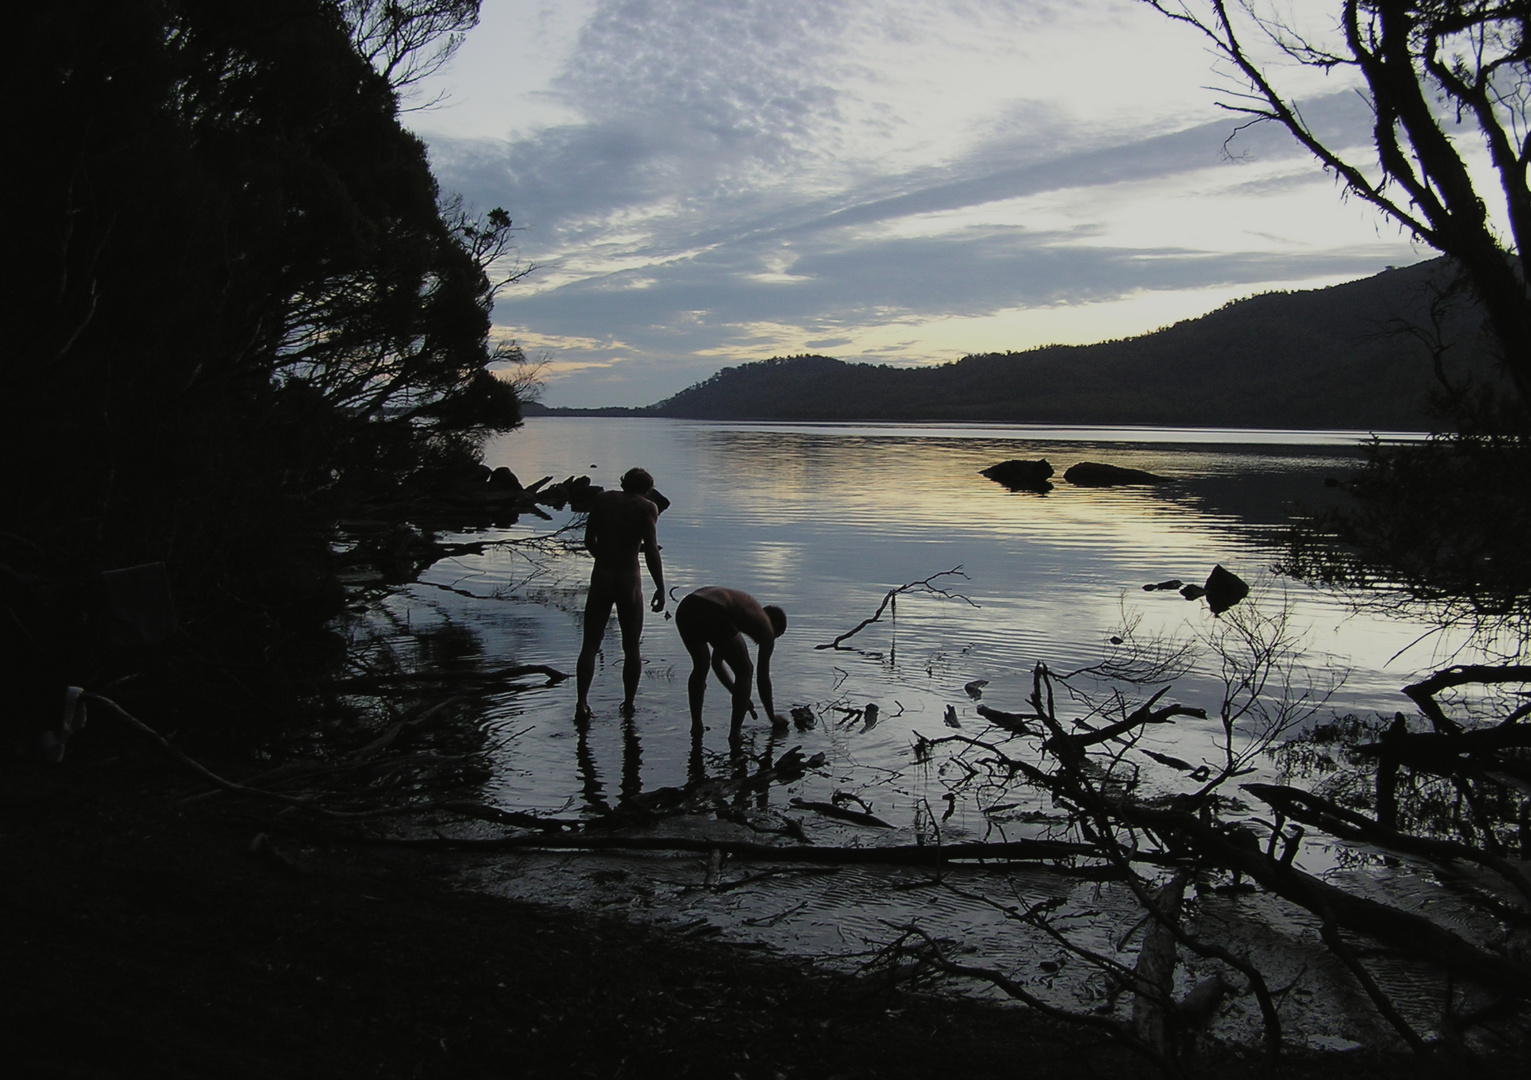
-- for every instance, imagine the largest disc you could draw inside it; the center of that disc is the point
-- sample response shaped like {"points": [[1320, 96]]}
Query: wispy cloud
{"points": [[892, 180]]}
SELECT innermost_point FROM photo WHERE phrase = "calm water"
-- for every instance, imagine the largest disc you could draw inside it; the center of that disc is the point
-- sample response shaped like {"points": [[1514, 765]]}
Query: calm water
{"points": [[824, 520]]}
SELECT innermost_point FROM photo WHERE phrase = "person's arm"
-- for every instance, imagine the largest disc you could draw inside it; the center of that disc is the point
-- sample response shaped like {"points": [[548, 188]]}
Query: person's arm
{"points": [[763, 678], [651, 556]]}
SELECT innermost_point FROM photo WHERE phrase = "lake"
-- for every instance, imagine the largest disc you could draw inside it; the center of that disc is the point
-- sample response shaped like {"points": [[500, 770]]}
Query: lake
{"points": [[824, 520]]}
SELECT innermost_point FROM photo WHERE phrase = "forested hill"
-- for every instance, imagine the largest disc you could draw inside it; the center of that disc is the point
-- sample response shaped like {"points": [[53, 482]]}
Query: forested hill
{"points": [[1325, 358]]}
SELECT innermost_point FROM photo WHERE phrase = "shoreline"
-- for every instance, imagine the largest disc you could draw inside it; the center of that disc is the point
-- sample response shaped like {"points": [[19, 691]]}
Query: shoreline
{"points": [[152, 939]]}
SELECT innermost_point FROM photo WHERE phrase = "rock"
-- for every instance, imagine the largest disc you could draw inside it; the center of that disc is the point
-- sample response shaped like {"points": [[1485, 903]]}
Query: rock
{"points": [[1096, 474], [1224, 589], [1193, 592], [1164, 586], [504, 478], [1018, 475]]}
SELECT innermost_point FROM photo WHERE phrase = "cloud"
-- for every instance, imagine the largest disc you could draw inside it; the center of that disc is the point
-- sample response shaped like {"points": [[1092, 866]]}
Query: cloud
{"points": [[782, 175]]}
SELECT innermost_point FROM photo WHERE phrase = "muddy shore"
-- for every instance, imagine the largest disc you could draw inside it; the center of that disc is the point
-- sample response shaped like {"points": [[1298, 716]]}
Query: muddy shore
{"points": [[144, 937]]}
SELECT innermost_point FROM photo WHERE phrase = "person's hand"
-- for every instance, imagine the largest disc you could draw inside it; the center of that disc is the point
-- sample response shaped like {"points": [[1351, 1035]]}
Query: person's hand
{"points": [[657, 604]]}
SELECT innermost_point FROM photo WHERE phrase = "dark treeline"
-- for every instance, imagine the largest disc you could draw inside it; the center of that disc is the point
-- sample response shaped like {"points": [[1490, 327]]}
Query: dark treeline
{"points": [[1347, 357], [235, 306]]}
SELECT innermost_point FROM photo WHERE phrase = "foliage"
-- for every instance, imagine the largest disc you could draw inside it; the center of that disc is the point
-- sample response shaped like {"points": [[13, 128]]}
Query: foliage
{"points": [[234, 307], [1440, 525]]}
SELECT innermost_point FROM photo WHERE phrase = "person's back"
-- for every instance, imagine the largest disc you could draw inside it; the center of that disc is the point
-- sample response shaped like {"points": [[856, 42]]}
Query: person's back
{"points": [[713, 622], [620, 524], [616, 528]]}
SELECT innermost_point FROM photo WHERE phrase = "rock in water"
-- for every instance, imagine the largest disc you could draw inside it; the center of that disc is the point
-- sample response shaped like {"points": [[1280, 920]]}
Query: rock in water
{"points": [[1224, 589], [1096, 474], [1018, 475]]}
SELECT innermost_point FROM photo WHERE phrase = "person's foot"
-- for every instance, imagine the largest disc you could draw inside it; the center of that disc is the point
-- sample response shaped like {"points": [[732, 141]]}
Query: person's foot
{"points": [[582, 711], [627, 708]]}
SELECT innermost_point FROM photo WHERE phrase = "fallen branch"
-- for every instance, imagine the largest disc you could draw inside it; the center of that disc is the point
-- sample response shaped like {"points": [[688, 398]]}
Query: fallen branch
{"points": [[891, 599], [857, 817], [914, 855], [1346, 824], [364, 683], [1423, 693]]}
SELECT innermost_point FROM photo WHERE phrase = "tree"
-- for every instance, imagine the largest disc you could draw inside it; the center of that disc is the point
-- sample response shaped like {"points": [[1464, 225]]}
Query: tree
{"points": [[406, 40], [1433, 72], [235, 304]]}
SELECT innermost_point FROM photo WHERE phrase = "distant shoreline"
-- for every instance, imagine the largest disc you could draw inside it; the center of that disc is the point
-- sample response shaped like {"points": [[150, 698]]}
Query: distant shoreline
{"points": [[1041, 432]]}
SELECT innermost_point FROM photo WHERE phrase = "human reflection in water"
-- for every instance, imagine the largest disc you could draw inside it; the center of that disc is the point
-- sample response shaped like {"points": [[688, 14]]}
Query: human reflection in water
{"points": [[713, 622], [589, 777], [741, 765]]}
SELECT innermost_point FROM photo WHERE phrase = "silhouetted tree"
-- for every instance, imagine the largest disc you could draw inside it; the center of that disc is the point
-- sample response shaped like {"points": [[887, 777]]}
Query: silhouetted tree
{"points": [[232, 304], [1432, 72], [1444, 522], [406, 40]]}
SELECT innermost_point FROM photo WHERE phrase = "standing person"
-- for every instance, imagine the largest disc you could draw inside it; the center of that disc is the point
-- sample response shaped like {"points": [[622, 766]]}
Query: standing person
{"points": [[621, 524], [714, 620]]}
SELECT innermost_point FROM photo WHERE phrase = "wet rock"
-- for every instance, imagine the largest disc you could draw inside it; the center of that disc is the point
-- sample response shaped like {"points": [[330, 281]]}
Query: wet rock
{"points": [[1224, 589], [1164, 586], [1097, 474], [503, 479], [1019, 475], [1193, 592]]}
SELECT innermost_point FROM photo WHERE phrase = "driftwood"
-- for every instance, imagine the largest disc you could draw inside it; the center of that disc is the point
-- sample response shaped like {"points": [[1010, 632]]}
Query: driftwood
{"points": [[1414, 934], [1015, 722], [1090, 776], [1449, 750], [1348, 825], [856, 817], [890, 602], [1423, 693], [902, 855], [365, 683]]}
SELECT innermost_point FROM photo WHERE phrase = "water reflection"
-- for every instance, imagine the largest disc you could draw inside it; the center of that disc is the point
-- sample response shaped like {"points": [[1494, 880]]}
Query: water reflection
{"points": [[824, 521]]}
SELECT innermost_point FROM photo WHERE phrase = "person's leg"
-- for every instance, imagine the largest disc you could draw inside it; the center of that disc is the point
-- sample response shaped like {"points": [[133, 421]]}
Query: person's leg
{"points": [[630, 619], [693, 634], [597, 611]]}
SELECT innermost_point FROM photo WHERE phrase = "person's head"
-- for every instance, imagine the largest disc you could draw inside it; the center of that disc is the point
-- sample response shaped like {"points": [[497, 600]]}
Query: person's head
{"points": [[637, 482], [778, 619]]}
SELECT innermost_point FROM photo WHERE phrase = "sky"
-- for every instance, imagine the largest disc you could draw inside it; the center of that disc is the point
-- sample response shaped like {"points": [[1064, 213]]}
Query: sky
{"points": [[704, 183]]}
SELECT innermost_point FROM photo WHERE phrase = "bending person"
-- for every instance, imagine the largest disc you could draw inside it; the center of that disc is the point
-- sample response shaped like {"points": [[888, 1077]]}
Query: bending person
{"points": [[621, 523], [713, 622]]}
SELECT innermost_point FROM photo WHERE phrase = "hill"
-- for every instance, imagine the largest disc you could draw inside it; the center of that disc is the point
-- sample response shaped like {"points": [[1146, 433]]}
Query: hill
{"points": [[1340, 357]]}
